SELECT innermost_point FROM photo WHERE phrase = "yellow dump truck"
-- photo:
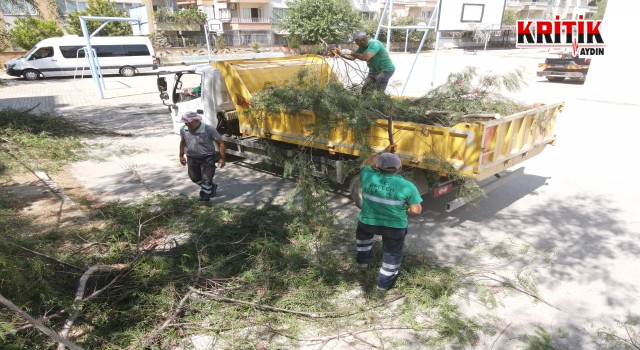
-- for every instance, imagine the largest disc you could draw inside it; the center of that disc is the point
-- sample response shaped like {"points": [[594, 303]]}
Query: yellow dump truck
{"points": [[477, 149]]}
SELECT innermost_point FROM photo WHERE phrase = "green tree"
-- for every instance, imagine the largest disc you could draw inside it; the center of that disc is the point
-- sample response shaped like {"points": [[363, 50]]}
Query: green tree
{"points": [[509, 17], [100, 8], [316, 20], [190, 14], [602, 5], [28, 31]]}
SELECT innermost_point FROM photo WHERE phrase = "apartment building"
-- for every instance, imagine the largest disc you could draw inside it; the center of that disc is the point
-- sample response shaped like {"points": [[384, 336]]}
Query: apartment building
{"points": [[548, 9]]}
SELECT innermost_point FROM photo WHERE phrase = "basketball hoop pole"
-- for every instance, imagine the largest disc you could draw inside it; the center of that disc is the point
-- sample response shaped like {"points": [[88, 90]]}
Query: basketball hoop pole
{"points": [[206, 33], [424, 37]]}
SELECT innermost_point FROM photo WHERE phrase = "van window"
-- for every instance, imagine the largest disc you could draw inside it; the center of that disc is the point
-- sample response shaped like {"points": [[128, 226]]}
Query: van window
{"points": [[136, 50], [106, 50], [42, 52], [72, 51], [109, 50]]}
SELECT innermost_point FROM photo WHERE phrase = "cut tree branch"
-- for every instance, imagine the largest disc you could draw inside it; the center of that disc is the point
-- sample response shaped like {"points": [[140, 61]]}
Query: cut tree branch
{"points": [[504, 282], [76, 307], [39, 325], [46, 256], [277, 309]]}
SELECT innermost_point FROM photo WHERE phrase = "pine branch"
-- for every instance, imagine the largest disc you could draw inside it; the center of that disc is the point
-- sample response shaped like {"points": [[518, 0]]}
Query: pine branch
{"points": [[39, 325]]}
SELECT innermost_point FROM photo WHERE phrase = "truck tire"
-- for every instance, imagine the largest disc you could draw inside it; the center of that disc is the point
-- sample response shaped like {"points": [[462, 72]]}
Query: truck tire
{"points": [[355, 191], [31, 74], [555, 78], [127, 71]]}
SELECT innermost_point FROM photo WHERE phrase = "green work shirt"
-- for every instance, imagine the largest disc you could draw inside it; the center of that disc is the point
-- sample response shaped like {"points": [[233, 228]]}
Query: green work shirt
{"points": [[385, 198], [380, 62]]}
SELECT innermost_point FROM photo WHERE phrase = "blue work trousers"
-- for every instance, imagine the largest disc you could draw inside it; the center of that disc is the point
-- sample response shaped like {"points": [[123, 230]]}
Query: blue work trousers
{"points": [[376, 81], [392, 245]]}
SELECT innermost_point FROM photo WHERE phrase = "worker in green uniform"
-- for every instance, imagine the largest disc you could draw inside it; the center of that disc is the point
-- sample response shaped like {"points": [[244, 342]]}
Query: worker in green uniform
{"points": [[387, 199], [375, 54]]}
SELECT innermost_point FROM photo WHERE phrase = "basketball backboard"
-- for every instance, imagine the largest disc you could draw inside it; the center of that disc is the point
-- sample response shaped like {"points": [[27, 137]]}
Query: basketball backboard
{"points": [[215, 26], [464, 15]]}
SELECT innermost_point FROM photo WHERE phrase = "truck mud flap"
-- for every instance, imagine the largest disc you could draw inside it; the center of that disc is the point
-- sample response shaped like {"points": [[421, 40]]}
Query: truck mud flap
{"points": [[500, 180]]}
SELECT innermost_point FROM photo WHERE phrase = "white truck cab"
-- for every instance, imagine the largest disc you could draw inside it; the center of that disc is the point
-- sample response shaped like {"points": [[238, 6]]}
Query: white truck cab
{"points": [[215, 105]]}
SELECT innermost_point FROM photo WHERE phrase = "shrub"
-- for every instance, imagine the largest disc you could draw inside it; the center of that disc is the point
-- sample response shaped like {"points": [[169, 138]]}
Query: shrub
{"points": [[28, 31]]}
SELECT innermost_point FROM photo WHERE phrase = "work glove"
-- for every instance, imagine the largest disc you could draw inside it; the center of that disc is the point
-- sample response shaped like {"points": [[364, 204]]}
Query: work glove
{"points": [[346, 52]]}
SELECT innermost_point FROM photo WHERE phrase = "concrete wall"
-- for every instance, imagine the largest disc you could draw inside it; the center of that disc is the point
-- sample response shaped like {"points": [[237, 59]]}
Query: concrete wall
{"points": [[5, 56]]}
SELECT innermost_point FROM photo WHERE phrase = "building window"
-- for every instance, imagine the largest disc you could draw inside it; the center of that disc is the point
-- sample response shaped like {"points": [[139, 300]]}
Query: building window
{"points": [[368, 15], [19, 7], [224, 14], [252, 14], [67, 6], [279, 13]]}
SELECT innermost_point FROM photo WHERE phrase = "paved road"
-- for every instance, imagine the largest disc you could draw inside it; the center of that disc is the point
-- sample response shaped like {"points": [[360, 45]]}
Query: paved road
{"points": [[573, 211]]}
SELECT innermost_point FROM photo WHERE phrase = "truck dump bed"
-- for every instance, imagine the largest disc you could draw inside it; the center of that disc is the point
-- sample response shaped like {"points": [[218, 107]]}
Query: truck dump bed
{"points": [[479, 149]]}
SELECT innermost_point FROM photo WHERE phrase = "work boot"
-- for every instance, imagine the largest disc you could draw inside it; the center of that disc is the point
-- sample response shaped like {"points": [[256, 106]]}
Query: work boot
{"points": [[214, 188], [204, 196]]}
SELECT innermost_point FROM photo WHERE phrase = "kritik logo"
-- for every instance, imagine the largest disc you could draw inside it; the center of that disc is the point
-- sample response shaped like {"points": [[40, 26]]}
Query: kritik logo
{"points": [[582, 36]]}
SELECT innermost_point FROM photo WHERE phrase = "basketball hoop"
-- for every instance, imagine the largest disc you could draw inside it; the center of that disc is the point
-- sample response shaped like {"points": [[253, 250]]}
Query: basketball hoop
{"points": [[215, 26], [466, 15]]}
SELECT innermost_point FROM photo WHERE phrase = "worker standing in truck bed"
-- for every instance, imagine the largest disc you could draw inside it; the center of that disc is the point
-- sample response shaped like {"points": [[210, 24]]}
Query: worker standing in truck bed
{"points": [[372, 51]]}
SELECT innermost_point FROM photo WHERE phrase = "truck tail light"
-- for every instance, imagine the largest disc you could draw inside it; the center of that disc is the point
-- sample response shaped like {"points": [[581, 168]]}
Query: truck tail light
{"points": [[155, 60]]}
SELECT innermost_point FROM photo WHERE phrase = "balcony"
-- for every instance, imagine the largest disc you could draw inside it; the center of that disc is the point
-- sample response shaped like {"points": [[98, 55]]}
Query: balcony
{"points": [[420, 3], [535, 5], [251, 20], [251, 23], [184, 3]]}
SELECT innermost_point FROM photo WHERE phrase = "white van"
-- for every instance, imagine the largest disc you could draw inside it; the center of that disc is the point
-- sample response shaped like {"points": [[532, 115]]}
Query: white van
{"points": [[65, 56]]}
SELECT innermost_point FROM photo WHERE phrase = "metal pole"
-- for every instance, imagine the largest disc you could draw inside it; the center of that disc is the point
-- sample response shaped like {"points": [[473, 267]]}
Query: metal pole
{"points": [[100, 28], [406, 41], [389, 25], [384, 12], [91, 53], [435, 59], [90, 56], [206, 33], [424, 37]]}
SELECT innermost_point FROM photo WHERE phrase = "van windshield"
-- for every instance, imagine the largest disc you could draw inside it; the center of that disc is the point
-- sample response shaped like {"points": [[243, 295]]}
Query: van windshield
{"points": [[28, 54]]}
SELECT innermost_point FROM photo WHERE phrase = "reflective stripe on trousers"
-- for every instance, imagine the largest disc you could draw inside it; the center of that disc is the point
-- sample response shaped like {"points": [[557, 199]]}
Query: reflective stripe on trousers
{"points": [[392, 246]]}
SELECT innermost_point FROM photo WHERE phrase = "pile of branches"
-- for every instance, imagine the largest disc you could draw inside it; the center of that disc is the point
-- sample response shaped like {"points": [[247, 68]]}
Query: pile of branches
{"points": [[465, 94]]}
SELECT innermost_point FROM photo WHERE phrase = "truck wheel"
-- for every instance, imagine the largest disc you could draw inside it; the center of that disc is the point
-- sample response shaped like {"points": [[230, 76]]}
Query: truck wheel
{"points": [[31, 74], [555, 78], [355, 191], [127, 71]]}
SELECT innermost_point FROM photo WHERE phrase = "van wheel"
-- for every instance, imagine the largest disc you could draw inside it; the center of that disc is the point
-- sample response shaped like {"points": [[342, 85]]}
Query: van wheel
{"points": [[127, 71], [355, 191], [31, 74]]}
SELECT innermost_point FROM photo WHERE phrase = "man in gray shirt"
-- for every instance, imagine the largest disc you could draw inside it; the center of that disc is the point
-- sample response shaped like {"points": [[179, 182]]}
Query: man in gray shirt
{"points": [[196, 141]]}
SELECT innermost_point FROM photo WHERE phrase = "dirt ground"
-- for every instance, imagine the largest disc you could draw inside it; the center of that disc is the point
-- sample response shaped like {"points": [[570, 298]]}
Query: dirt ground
{"points": [[59, 203]]}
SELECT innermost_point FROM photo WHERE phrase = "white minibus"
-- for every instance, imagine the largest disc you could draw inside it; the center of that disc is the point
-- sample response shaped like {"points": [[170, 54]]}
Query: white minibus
{"points": [[65, 56]]}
